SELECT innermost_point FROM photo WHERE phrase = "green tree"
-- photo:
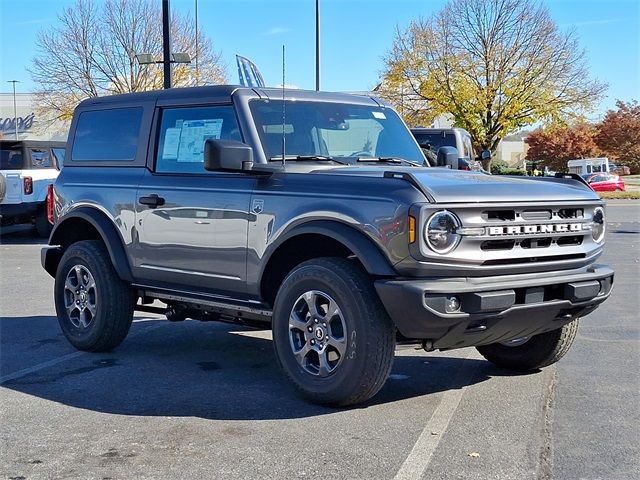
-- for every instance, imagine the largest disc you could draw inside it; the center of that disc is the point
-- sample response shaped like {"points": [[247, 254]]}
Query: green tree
{"points": [[91, 52], [494, 65], [554, 145], [619, 134]]}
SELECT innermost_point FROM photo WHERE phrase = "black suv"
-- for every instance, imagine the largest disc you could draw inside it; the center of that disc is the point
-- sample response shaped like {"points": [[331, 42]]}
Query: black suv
{"points": [[311, 214]]}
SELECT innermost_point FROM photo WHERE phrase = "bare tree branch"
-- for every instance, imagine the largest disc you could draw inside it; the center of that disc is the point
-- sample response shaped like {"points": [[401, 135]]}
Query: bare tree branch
{"points": [[92, 49]]}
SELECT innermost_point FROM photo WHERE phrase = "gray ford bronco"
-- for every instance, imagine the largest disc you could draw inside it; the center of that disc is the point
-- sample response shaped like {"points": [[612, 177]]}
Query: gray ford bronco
{"points": [[313, 214]]}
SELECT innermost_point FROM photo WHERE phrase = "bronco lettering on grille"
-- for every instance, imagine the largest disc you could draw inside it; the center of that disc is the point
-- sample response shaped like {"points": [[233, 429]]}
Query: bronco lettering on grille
{"points": [[533, 229]]}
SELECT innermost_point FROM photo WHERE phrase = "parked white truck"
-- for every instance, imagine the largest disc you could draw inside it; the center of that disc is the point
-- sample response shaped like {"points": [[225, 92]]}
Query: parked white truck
{"points": [[27, 168], [586, 166]]}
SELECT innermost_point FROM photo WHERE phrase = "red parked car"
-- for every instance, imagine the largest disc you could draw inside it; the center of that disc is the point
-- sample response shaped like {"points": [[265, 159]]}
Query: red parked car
{"points": [[605, 182]]}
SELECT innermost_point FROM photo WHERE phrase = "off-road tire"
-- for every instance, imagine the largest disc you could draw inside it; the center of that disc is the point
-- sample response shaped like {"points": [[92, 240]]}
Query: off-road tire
{"points": [[538, 352], [115, 299], [43, 227], [370, 334]]}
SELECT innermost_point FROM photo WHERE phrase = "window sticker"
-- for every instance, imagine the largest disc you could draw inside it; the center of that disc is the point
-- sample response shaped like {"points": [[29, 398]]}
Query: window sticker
{"points": [[171, 142], [194, 134], [379, 115], [185, 142]]}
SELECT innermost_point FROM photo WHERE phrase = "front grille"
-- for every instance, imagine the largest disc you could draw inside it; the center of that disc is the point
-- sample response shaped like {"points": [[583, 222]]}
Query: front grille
{"points": [[524, 234]]}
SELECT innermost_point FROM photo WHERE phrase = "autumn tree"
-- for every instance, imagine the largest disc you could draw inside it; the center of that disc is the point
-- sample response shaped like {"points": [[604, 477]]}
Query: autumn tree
{"points": [[619, 134], [494, 65], [91, 52], [554, 145]]}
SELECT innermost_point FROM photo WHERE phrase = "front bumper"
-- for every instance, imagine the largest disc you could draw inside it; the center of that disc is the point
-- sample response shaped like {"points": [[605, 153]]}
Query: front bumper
{"points": [[492, 309]]}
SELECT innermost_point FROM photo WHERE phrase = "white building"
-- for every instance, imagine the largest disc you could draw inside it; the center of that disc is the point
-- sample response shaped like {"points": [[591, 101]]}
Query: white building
{"points": [[30, 124]]}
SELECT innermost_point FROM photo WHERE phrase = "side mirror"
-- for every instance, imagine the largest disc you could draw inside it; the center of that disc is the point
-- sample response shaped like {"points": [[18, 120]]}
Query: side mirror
{"points": [[485, 155], [447, 157], [227, 155]]}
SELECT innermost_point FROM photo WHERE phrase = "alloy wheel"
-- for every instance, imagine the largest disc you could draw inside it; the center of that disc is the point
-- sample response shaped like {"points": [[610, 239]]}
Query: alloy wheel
{"points": [[317, 333]]}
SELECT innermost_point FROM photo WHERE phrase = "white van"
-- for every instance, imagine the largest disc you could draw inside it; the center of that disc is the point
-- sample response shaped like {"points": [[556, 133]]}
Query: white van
{"points": [[27, 168], [586, 166]]}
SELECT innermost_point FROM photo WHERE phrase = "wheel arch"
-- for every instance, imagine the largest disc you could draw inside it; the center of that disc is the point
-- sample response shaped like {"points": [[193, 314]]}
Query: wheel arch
{"points": [[319, 238], [86, 223]]}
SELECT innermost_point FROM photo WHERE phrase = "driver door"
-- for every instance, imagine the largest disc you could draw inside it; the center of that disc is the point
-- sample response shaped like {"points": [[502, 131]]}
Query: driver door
{"points": [[192, 224]]}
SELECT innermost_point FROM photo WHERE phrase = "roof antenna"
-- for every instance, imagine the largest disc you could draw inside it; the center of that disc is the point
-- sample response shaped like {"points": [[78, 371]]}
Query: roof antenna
{"points": [[283, 112]]}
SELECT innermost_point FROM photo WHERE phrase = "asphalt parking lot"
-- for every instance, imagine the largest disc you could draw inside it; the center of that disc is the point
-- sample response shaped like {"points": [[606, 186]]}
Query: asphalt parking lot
{"points": [[206, 400]]}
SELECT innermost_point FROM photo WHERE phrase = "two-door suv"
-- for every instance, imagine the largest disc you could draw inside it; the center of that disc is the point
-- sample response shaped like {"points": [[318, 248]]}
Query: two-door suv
{"points": [[315, 215]]}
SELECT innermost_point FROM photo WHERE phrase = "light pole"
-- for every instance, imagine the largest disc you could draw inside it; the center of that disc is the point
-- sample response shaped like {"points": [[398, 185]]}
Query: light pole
{"points": [[197, 72], [166, 44], [15, 109], [317, 44]]}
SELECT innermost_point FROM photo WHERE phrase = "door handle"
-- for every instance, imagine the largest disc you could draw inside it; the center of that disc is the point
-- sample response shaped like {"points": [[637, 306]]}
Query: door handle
{"points": [[152, 201]]}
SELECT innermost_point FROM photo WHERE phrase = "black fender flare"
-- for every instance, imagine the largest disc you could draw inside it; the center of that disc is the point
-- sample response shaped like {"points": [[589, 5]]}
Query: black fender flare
{"points": [[371, 257], [109, 234]]}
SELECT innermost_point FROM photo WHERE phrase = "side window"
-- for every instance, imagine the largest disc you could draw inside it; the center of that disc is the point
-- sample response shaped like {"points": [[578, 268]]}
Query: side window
{"points": [[40, 158], [184, 131], [58, 156], [107, 135], [11, 158]]}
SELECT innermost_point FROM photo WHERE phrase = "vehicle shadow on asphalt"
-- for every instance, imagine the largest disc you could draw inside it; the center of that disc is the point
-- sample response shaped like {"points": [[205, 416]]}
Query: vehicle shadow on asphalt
{"points": [[20, 235], [195, 369]]}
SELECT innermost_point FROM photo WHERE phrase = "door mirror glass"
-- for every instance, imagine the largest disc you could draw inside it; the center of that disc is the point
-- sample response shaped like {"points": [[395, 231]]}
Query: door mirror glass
{"points": [[227, 155], [485, 155]]}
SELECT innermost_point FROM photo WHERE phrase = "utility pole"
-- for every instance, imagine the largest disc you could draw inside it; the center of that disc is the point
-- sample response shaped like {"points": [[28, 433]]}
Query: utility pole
{"points": [[317, 44], [197, 72], [166, 43], [15, 109]]}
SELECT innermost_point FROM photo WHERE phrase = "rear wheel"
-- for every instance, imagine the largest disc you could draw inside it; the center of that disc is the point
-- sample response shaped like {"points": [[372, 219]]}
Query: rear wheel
{"points": [[525, 354], [332, 335], [94, 306]]}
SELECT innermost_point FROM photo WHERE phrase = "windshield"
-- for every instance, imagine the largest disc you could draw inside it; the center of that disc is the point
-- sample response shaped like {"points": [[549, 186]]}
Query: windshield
{"points": [[332, 130]]}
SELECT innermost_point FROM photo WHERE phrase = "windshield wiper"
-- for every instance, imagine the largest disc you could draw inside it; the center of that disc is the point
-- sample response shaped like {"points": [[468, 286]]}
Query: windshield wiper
{"points": [[308, 158], [389, 160]]}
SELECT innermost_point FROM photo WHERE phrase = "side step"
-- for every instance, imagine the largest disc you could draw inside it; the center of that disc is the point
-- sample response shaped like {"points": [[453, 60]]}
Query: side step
{"points": [[208, 303]]}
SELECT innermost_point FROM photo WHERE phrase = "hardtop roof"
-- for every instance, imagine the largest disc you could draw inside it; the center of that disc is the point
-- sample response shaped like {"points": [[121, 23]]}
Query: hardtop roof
{"points": [[220, 92]]}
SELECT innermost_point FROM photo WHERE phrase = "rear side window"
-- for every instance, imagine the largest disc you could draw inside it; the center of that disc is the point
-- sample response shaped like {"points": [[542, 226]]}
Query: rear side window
{"points": [[185, 130], [107, 135], [40, 158], [436, 140], [11, 158]]}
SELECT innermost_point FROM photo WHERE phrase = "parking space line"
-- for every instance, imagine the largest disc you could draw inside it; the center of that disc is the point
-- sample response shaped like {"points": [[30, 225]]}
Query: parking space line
{"points": [[63, 358], [418, 460]]}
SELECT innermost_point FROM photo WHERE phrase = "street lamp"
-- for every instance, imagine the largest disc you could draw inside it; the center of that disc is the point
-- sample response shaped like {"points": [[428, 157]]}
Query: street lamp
{"points": [[149, 59], [167, 57], [15, 109]]}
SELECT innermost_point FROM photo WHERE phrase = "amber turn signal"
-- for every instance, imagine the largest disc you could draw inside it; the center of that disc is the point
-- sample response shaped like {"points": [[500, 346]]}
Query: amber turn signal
{"points": [[412, 229]]}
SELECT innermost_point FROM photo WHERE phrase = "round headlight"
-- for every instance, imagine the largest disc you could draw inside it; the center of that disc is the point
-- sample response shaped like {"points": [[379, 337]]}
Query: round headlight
{"points": [[598, 225], [440, 232]]}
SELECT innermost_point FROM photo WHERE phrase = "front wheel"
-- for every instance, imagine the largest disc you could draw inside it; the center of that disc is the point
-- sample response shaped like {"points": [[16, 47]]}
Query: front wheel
{"points": [[332, 335], [94, 306], [532, 353]]}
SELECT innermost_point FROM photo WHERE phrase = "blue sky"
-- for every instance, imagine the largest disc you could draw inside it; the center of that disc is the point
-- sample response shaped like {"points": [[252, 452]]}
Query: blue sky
{"points": [[355, 36]]}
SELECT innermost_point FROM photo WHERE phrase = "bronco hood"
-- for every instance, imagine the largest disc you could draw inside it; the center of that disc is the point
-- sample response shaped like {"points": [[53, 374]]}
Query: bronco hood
{"points": [[454, 186]]}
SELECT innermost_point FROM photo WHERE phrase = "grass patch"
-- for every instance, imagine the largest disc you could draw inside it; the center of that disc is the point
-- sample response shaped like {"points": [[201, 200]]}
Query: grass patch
{"points": [[630, 195]]}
